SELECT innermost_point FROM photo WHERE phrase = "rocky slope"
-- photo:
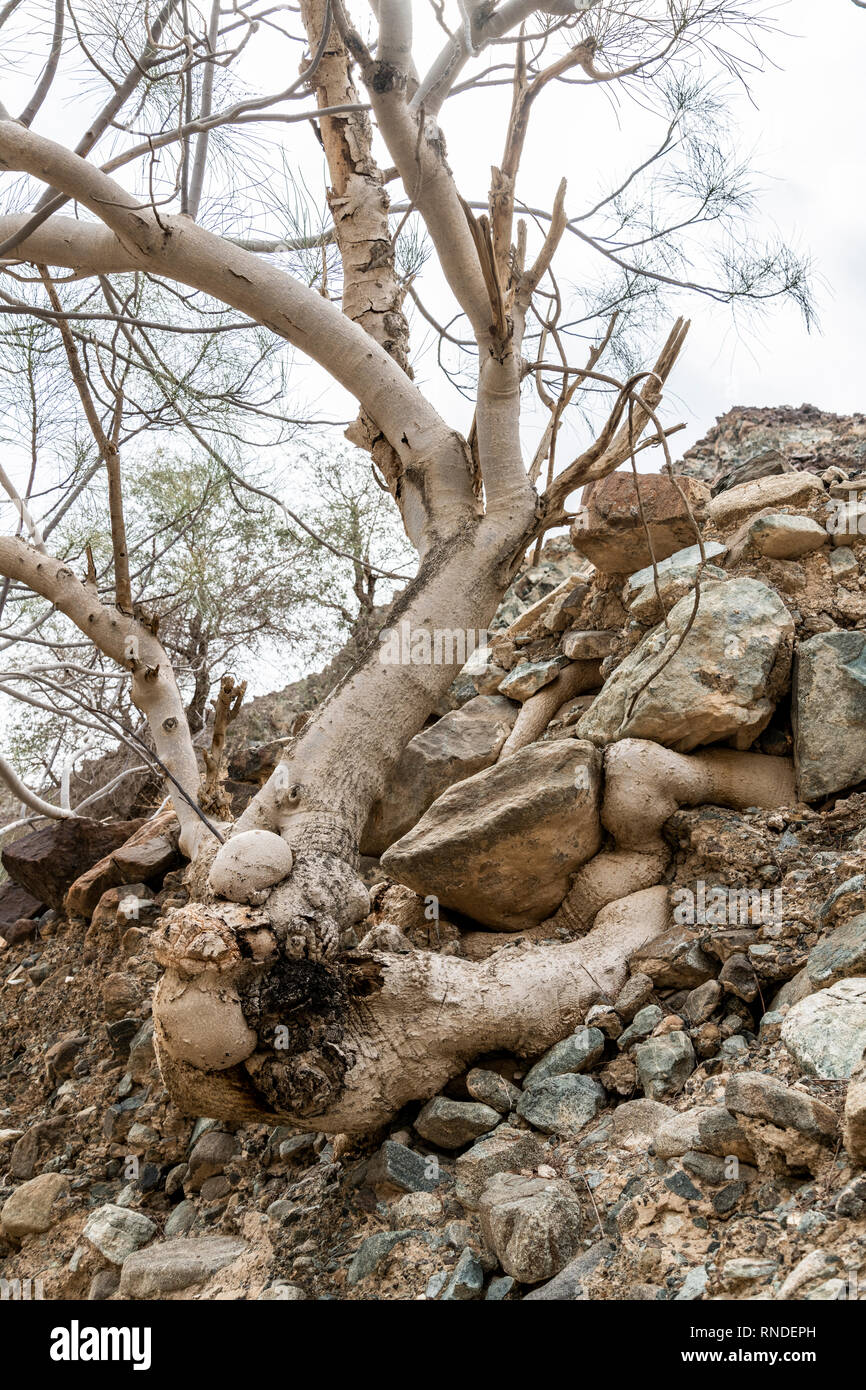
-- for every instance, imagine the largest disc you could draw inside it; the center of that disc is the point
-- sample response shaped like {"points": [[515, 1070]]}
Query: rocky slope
{"points": [[702, 1133]]}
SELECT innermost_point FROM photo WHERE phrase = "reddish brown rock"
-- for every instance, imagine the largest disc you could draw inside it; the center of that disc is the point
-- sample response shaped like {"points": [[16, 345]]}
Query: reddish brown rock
{"points": [[609, 531], [49, 860]]}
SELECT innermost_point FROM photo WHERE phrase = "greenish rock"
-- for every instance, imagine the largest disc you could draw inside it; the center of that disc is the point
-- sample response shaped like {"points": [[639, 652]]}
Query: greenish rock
{"points": [[843, 954], [643, 1023], [828, 710], [116, 1232], [577, 1053], [467, 1280], [665, 1064], [451, 1124], [826, 1032], [562, 1104]]}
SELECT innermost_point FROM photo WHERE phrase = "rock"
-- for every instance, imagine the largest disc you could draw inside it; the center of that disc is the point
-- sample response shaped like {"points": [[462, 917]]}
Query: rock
{"points": [[209, 1157], [502, 845], [645, 1022], [561, 1104], [116, 1232], [417, 1208], [784, 537], [121, 993], [499, 1289], [737, 976], [281, 1292], [29, 1211], [720, 1133], [787, 1129], [506, 1150], [372, 1252], [561, 612], [16, 905], [577, 1053], [637, 1123], [119, 909], [828, 711], [47, 861], [452, 1123], [62, 1056], [458, 745], [141, 1052], [609, 531], [149, 853], [567, 1285], [528, 677], [826, 1032], [587, 646], [172, 1265], [683, 562], [816, 1265], [694, 1285], [675, 960], [703, 1001], [181, 1219], [747, 1271], [847, 900], [649, 606], [634, 994], [678, 1134], [532, 1225], [721, 683], [665, 1064], [491, 1089], [840, 956], [619, 1076], [854, 1124], [397, 1168], [729, 508], [467, 1281], [843, 563]]}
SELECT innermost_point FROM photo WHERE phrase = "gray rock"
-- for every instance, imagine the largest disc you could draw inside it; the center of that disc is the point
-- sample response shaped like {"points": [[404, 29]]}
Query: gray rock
{"points": [[401, 1169], [458, 745], [506, 1150], [841, 955], [665, 1064], [562, 1104], [209, 1157], [757, 1096], [181, 1219], [634, 994], [281, 1292], [567, 1286], [532, 1225], [829, 712], [450, 1124], [826, 1032], [173, 1265], [694, 1285], [528, 677], [636, 1123], [854, 1128], [784, 537], [371, 1253], [703, 1001], [116, 1232], [491, 1089], [722, 683], [141, 1052], [467, 1280], [684, 562], [588, 646], [645, 1021], [577, 1053], [499, 1289]]}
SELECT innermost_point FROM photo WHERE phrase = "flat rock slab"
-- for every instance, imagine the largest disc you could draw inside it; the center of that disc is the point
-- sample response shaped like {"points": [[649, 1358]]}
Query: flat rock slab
{"points": [[502, 845], [722, 682], [173, 1265], [784, 490]]}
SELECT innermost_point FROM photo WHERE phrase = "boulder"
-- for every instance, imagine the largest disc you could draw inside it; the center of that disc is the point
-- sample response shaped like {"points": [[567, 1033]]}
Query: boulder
{"points": [[502, 845], [117, 1231], [826, 1032], [721, 683], [491, 1089], [638, 1123], [730, 508], [17, 905], [48, 861], [788, 1130], [781, 536], [528, 677], [457, 746], [561, 1104], [664, 1064], [609, 531], [577, 1053], [397, 1168], [172, 1265], [29, 1211], [506, 1150], [828, 711], [674, 960], [532, 1225], [450, 1124]]}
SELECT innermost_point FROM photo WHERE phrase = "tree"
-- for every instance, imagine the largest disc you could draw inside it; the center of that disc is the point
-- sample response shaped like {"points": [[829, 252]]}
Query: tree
{"points": [[277, 889]]}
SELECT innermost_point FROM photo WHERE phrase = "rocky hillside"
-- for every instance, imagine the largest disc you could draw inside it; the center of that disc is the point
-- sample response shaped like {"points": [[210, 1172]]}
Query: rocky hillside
{"points": [[659, 746]]}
